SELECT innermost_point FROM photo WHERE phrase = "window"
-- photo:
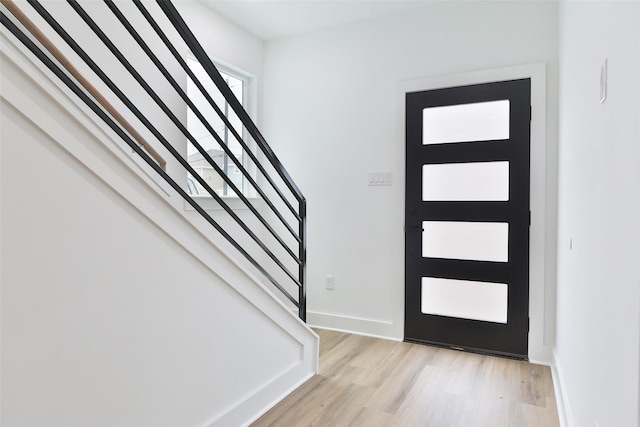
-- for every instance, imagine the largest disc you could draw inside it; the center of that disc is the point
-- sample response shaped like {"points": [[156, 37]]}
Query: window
{"points": [[227, 163]]}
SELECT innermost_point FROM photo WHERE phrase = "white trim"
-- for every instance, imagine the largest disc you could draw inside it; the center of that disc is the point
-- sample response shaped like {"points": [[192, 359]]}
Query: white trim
{"points": [[358, 333], [275, 401], [352, 325], [542, 244], [262, 397], [562, 399]]}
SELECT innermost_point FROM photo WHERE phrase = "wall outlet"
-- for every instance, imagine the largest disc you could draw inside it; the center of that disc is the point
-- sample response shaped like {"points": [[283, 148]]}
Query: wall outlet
{"points": [[328, 282]]}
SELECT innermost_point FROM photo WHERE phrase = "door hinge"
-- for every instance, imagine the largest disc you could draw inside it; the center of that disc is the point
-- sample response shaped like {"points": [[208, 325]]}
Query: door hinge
{"points": [[529, 218], [530, 113], [528, 324]]}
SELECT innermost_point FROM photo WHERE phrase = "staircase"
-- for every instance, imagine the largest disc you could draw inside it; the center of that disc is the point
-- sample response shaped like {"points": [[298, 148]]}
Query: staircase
{"points": [[128, 297]]}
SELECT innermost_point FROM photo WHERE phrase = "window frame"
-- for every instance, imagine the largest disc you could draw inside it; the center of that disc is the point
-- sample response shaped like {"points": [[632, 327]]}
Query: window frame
{"points": [[249, 103]]}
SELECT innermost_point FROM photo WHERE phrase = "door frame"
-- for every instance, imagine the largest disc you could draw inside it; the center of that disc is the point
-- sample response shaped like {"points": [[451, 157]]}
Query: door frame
{"points": [[543, 185]]}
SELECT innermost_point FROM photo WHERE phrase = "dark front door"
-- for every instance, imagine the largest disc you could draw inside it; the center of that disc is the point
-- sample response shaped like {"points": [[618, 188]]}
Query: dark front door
{"points": [[467, 217]]}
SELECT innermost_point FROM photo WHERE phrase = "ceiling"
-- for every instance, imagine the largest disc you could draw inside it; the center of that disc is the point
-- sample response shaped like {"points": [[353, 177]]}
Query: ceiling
{"points": [[275, 19]]}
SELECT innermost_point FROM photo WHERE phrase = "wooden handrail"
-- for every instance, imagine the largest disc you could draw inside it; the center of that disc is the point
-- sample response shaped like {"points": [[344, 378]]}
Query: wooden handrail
{"points": [[62, 59]]}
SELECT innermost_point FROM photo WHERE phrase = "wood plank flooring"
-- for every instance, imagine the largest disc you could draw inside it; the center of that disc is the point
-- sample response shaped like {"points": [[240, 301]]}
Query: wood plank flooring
{"points": [[372, 382]]}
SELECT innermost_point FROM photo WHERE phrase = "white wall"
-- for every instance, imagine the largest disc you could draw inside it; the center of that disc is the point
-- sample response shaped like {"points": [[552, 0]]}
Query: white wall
{"points": [[228, 45], [599, 213], [330, 112], [115, 310], [223, 40]]}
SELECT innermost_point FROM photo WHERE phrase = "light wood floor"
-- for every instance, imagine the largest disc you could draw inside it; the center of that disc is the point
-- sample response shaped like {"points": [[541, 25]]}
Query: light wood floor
{"points": [[371, 382]]}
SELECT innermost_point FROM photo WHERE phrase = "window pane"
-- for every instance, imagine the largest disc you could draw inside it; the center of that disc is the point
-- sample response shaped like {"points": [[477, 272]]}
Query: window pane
{"points": [[482, 121], [227, 163], [465, 299], [482, 181], [479, 241]]}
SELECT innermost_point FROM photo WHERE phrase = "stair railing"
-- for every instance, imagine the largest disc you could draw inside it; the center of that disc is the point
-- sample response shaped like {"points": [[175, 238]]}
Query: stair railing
{"points": [[277, 248]]}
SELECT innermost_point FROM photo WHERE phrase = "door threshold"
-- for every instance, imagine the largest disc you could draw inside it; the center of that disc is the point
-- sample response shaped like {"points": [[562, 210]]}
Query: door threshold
{"points": [[469, 349]]}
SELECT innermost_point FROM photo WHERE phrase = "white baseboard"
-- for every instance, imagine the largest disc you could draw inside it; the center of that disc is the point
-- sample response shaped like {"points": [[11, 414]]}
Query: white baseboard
{"points": [[354, 325], [274, 402], [260, 401], [559, 388]]}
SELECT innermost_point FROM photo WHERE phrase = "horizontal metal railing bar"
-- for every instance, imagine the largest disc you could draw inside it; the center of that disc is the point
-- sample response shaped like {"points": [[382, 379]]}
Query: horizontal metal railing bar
{"points": [[202, 151], [225, 120], [142, 153], [186, 68], [114, 50], [64, 61], [204, 60]]}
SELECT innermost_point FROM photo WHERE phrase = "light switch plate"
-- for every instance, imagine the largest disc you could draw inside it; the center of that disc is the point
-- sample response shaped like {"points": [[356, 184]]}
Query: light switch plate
{"points": [[380, 178]]}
